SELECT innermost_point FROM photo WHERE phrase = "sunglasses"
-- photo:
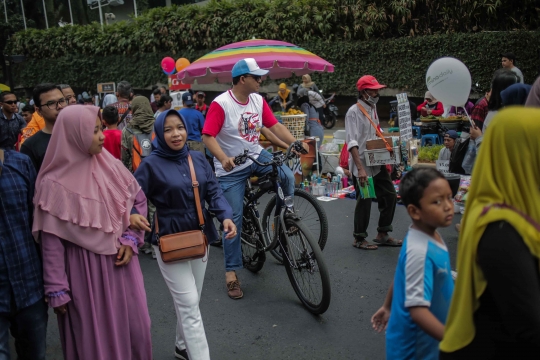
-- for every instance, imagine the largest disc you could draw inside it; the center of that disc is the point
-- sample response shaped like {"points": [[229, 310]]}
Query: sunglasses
{"points": [[10, 102], [255, 77]]}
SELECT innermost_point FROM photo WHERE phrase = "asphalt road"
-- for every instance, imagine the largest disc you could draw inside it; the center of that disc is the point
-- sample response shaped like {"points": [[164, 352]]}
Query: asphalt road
{"points": [[270, 322]]}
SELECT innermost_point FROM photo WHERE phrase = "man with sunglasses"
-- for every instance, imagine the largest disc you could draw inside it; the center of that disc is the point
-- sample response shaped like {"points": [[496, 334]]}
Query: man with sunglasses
{"points": [[48, 101], [233, 123], [11, 123]]}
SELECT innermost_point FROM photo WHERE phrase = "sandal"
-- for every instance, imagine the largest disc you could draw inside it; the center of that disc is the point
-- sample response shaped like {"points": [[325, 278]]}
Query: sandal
{"points": [[388, 241], [364, 245]]}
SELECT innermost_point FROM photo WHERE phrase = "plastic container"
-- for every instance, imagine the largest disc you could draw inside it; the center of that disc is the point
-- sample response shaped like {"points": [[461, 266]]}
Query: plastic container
{"points": [[339, 134]]}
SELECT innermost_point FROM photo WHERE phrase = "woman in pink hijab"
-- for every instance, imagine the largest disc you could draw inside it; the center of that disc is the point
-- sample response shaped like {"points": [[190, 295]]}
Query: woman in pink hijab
{"points": [[83, 201]]}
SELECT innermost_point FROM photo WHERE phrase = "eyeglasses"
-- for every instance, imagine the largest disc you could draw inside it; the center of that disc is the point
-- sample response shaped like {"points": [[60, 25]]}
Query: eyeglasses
{"points": [[255, 77], [10, 102], [53, 105]]}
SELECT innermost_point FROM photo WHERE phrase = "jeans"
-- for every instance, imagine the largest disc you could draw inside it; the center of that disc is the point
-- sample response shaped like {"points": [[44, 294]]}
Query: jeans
{"points": [[29, 328], [185, 281], [233, 187], [386, 200]]}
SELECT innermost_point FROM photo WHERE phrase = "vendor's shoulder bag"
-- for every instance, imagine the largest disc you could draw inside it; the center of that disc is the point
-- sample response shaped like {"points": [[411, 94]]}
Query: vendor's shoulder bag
{"points": [[186, 245]]}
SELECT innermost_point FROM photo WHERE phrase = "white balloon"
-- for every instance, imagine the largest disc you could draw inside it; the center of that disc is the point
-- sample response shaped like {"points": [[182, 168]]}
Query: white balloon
{"points": [[449, 81]]}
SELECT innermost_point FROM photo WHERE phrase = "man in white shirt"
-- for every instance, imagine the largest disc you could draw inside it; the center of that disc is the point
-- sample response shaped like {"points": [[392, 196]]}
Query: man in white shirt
{"points": [[508, 61], [359, 129], [233, 123]]}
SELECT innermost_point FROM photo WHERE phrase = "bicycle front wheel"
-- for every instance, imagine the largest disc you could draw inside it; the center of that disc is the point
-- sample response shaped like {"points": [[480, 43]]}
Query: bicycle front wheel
{"points": [[305, 267], [308, 209], [253, 255]]}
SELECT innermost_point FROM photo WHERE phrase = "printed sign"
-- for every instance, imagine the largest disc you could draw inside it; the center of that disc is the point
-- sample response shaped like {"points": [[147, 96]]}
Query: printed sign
{"points": [[175, 84], [404, 116], [106, 87], [443, 166]]}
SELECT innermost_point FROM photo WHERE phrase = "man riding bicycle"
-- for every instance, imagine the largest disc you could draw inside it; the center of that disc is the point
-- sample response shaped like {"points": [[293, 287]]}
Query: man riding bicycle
{"points": [[233, 123]]}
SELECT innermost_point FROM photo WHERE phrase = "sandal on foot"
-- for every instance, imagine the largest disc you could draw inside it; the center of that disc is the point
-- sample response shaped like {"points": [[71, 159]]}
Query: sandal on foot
{"points": [[388, 241], [364, 245]]}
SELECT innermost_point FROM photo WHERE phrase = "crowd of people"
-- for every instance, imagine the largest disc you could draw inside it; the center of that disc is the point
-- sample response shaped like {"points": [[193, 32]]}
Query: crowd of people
{"points": [[71, 236]]}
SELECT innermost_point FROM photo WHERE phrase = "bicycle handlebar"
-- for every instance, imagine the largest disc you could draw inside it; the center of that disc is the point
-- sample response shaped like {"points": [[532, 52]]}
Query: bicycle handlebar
{"points": [[278, 160]]}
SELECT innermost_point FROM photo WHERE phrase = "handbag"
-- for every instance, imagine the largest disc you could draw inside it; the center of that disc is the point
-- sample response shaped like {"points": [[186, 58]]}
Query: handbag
{"points": [[186, 245]]}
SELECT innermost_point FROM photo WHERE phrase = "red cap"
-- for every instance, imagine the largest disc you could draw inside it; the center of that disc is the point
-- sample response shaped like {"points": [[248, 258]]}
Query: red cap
{"points": [[368, 82]]}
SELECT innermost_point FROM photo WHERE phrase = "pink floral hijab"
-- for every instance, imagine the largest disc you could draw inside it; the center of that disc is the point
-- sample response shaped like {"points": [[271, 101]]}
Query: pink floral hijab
{"points": [[82, 198]]}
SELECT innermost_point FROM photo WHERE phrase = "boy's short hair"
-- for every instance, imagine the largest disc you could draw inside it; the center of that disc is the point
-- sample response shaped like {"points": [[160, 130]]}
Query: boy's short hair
{"points": [[413, 184], [164, 99], [156, 91], [110, 115], [28, 108]]}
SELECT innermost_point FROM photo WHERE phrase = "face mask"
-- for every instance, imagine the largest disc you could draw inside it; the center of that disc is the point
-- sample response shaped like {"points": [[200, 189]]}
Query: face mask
{"points": [[372, 100]]}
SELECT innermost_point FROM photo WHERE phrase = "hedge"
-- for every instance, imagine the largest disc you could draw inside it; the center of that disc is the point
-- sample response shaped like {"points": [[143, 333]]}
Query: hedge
{"points": [[194, 27], [400, 63]]}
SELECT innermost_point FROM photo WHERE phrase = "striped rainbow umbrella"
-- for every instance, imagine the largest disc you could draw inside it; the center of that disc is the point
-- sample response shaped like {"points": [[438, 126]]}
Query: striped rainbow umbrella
{"points": [[281, 58]]}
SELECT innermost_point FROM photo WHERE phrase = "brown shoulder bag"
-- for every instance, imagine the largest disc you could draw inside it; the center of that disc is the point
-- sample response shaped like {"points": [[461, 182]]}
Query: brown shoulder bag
{"points": [[187, 245]]}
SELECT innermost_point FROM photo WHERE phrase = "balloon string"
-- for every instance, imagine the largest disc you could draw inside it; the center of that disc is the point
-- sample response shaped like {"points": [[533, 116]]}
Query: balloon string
{"points": [[468, 117]]}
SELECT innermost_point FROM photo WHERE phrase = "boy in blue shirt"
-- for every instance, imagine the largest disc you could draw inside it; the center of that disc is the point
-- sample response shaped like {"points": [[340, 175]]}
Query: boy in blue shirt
{"points": [[417, 302]]}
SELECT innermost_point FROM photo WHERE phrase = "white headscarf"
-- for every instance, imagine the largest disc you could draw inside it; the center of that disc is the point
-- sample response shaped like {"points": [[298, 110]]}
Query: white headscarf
{"points": [[109, 99]]}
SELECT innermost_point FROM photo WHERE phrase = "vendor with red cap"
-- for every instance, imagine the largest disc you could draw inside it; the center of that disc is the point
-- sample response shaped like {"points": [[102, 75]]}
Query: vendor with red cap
{"points": [[361, 122]]}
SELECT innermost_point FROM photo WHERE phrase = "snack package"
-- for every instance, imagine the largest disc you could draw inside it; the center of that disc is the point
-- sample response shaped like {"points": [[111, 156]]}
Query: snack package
{"points": [[464, 184]]}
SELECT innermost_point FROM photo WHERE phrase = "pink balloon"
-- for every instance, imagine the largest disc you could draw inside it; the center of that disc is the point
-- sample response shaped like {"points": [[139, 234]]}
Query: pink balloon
{"points": [[168, 64]]}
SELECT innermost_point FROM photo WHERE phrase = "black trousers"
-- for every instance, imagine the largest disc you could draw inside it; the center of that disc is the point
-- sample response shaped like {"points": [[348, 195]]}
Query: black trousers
{"points": [[386, 198]]}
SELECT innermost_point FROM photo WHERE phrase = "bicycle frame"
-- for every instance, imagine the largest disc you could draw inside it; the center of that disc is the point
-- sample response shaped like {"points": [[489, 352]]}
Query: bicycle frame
{"points": [[251, 196]]}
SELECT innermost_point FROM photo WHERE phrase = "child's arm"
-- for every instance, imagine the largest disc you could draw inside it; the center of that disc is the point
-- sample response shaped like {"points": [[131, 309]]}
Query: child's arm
{"points": [[427, 321], [379, 320]]}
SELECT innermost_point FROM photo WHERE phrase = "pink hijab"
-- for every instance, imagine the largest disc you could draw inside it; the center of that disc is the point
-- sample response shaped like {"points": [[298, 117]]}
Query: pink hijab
{"points": [[82, 198]]}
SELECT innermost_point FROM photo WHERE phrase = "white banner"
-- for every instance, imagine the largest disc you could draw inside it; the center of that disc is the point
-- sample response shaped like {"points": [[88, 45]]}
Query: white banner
{"points": [[404, 117], [443, 166]]}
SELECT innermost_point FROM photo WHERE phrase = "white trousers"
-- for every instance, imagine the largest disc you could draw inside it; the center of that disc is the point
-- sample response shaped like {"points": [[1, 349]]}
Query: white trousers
{"points": [[185, 281]]}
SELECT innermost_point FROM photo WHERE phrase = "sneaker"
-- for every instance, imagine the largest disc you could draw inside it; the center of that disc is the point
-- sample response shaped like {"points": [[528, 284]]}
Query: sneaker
{"points": [[234, 291], [154, 253], [146, 248], [180, 354]]}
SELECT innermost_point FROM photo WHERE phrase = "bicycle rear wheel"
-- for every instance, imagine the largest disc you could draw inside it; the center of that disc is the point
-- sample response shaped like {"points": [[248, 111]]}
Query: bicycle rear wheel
{"points": [[306, 268], [252, 242], [310, 212]]}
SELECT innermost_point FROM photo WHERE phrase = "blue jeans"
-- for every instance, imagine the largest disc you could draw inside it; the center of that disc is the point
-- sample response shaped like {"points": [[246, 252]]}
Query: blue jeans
{"points": [[29, 328], [233, 187]]}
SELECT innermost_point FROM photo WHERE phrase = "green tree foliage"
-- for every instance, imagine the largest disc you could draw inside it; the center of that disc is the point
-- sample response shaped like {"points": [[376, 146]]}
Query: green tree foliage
{"points": [[395, 40], [194, 27]]}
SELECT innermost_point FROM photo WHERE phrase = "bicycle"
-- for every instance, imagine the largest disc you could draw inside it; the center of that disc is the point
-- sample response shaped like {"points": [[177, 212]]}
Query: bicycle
{"points": [[300, 251]]}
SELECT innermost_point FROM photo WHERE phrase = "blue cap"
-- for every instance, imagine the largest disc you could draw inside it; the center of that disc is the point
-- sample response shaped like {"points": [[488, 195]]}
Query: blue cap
{"points": [[452, 134], [187, 98], [247, 66]]}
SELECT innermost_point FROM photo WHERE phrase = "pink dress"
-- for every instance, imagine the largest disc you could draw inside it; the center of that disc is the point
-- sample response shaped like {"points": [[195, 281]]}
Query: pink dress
{"points": [[107, 314]]}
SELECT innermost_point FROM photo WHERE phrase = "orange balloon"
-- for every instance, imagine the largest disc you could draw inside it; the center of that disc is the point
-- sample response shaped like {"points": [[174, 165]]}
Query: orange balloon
{"points": [[182, 63]]}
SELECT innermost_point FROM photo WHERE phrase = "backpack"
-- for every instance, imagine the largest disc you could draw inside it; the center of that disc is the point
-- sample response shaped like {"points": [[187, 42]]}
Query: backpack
{"points": [[142, 147]]}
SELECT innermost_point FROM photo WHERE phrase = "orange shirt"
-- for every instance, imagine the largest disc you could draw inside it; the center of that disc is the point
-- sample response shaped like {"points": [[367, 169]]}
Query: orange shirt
{"points": [[36, 124]]}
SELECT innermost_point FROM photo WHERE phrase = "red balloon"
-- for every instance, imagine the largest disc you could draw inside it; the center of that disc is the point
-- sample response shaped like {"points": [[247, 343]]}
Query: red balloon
{"points": [[168, 64]]}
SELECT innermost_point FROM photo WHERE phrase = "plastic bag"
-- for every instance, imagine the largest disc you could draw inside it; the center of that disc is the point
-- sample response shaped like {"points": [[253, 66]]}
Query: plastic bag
{"points": [[329, 147]]}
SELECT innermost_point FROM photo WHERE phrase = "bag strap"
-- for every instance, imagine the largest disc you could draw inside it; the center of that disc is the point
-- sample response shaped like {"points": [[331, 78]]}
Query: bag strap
{"points": [[1, 160], [126, 113], [195, 185], [379, 134]]}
